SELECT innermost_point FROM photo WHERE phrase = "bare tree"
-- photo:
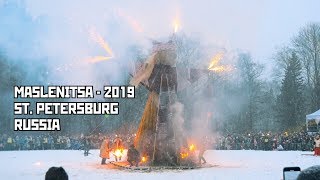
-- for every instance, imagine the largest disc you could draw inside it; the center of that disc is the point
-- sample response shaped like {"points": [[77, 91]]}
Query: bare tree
{"points": [[250, 88], [307, 46], [189, 51]]}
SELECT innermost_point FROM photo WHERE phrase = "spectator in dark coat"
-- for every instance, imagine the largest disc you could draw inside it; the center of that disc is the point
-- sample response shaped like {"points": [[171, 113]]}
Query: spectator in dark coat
{"points": [[56, 173], [86, 145], [311, 173], [133, 156]]}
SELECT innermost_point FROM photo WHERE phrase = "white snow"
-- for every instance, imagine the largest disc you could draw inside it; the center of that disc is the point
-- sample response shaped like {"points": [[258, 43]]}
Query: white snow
{"points": [[243, 164]]}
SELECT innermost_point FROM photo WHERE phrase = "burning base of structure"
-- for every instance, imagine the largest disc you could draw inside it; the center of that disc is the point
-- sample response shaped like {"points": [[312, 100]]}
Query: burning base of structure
{"points": [[187, 157]]}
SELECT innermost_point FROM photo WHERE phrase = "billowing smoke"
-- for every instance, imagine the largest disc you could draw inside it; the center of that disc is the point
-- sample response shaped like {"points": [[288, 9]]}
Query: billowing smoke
{"points": [[58, 35], [54, 38], [177, 118]]}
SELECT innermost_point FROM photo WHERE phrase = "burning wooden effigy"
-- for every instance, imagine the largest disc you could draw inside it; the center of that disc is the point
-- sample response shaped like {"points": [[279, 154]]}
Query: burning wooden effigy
{"points": [[160, 139]]}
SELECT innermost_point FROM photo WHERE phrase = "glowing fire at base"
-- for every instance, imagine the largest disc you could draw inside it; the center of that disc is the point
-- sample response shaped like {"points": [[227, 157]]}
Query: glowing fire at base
{"points": [[184, 155], [192, 147], [144, 159], [186, 152], [118, 152]]}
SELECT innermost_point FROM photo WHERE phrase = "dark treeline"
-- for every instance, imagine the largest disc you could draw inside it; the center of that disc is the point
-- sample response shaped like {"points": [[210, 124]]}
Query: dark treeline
{"points": [[243, 100]]}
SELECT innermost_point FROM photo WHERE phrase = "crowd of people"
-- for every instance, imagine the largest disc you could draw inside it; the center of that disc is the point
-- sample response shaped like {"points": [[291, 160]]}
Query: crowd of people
{"points": [[116, 144], [295, 141], [54, 141]]}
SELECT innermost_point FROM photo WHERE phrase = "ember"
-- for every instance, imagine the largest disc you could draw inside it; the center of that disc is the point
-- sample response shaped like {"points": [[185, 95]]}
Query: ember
{"points": [[98, 38]]}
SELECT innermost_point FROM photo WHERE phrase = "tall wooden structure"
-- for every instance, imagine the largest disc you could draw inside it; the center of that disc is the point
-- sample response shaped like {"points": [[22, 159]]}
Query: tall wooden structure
{"points": [[159, 137], [156, 136]]}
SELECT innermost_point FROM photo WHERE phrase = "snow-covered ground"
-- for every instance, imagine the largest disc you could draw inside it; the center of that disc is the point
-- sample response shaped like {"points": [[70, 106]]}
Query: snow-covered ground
{"points": [[242, 164]]}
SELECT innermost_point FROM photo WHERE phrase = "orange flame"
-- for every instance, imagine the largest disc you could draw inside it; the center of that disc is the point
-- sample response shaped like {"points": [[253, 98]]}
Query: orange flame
{"points": [[213, 66], [144, 159], [98, 38], [184, 155], [98, 58], [176, 23], [192, 147], [184, 152], [176, 27], [118, 152], [215, 60], [221, 68]]}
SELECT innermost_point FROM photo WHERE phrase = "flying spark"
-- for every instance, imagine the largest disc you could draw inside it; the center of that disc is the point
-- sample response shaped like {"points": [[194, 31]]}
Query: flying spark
{"points": [[98, 38]]}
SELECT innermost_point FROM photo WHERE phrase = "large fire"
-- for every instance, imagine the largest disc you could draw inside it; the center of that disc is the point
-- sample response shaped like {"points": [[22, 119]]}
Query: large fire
{"points": [[98, 38], [213, 66]]}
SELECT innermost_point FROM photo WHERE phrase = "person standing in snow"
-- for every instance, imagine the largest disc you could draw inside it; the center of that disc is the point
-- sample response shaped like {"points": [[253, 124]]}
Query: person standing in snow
{"points": [[86, 145], [105, 150], [317, 146], [201, 152], [10, 142], [118, 145], [266, 143], [255, 144], [133, 156], [68, 143], [45, 143], [202, 149]]}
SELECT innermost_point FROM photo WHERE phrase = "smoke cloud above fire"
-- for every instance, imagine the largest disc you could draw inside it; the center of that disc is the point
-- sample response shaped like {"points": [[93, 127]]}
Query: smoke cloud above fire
{"points": [[58, 31]]}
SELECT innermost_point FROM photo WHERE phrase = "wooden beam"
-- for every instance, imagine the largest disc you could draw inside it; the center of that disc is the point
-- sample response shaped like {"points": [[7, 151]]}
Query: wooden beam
{"points": [[142, 83]]}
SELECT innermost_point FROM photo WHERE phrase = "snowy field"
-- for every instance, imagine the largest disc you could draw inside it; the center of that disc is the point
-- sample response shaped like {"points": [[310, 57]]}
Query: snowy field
{"points": [[32, 165]]}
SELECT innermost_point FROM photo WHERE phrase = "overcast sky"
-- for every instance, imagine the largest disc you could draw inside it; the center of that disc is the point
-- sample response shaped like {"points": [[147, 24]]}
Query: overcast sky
{"points": [[57, 28]]}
